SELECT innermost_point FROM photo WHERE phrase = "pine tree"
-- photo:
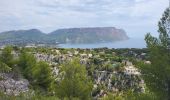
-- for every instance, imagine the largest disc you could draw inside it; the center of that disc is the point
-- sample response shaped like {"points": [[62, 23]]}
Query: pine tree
{"points": [[76, 83], [42, 75], [6, 56], [158, 78], [26, 63]]}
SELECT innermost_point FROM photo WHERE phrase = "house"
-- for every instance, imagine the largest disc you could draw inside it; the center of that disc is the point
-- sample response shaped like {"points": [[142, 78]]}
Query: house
{"points": [[2, 47], [57, 51], [147, 62], [15, 54], [90, 55], [113, 53], [131, 70], [76, 52], [83, 55], [127, 63], [30, 46]]}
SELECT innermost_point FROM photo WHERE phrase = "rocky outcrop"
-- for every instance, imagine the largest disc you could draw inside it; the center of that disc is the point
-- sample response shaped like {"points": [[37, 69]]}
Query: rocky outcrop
{"points": [[10, 86]]}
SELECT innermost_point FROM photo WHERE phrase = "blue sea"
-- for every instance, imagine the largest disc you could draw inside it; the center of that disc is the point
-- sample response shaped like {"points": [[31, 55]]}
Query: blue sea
{"points": [[131, 43]]}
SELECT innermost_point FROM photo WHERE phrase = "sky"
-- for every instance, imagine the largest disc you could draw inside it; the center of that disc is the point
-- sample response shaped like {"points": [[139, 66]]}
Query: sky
{"points": [[136, 17]]}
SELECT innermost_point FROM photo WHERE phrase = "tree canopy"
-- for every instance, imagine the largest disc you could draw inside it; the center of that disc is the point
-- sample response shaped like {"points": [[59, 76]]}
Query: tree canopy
{"points": [[158, 73], [76, 83]]}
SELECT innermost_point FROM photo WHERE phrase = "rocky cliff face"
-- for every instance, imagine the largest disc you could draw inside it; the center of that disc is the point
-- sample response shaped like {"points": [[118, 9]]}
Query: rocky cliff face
{"points": [[89, 35]]}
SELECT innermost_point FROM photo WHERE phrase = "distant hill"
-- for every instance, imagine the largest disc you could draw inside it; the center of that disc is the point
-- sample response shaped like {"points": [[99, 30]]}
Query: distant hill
{"points": [[32, 34], [89, 35], [71, 35]]}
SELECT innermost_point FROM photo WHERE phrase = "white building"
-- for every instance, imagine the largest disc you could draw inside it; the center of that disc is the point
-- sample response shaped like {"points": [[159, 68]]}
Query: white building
{"points": [[131, 70]]}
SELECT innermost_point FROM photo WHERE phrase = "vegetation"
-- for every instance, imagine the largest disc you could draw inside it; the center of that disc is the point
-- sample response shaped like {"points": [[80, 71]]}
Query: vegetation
{"points": [[76, 83], [158, 78], [6, 56], [75, 79], [4, 67], [86, 74], [26, 63], [42, 75]]}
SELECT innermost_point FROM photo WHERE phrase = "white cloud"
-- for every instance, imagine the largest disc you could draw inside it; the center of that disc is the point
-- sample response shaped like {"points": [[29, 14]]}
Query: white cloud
{"points": [[140, 0], [136, 16]]}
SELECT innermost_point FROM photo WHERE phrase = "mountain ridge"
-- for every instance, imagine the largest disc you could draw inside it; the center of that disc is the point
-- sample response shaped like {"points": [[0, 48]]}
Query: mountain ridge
{"points": [[66, 35]]}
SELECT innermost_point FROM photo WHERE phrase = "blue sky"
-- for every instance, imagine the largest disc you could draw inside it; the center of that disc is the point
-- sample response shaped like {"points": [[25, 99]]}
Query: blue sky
{"points": [[136, 17]]}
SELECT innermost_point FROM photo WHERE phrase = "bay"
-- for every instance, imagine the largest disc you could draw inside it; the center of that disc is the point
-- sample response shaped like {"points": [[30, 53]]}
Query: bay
{"points": [[131, 43]]}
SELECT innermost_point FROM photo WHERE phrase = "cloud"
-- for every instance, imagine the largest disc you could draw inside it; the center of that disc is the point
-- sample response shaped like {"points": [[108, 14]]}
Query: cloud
{"points": [[135, 16]]}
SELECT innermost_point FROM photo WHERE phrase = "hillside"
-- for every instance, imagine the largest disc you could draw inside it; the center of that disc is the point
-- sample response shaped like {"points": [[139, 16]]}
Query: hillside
{"points": [[89, 35], [22, 37], [55, 73], [71, 35]]}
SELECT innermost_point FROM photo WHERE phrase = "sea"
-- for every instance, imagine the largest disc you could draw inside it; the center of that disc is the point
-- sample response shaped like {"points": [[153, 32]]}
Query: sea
{"points": [[131, 43]]}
